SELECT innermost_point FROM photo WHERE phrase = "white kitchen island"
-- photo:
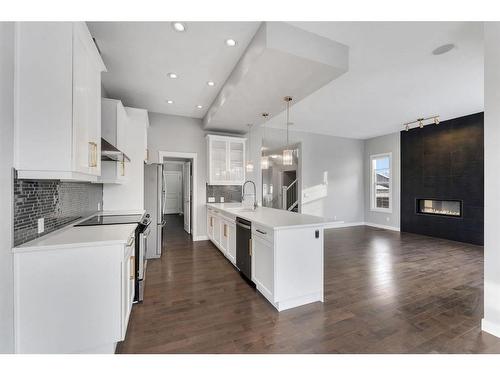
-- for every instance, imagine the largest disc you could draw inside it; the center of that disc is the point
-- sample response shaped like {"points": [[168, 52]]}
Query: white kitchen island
{"points": [[286, 248]]}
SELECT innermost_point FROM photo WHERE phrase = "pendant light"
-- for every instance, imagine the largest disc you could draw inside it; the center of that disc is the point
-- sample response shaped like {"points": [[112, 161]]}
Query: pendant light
{"points": [[287, 153], [249, 165], [264, 160]]}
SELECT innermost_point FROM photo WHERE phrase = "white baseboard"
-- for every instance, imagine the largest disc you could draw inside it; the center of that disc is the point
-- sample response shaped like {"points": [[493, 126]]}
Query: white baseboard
{"points": [[200, 238], [388, 227], [342, 224], [491, 328]]}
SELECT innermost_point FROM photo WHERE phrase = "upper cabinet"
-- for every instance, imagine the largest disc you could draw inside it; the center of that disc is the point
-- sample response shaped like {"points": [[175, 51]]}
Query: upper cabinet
{"points": [[114, 122], [57, 102], [226, 160]]}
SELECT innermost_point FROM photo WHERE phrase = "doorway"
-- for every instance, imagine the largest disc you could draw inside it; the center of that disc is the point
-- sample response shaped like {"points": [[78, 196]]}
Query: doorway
{"points": [[179, 173]]}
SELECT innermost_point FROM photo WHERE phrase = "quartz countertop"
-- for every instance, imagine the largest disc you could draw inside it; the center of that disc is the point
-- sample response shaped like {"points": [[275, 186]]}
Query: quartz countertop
{"points": [[71, 236], [271, 217]]}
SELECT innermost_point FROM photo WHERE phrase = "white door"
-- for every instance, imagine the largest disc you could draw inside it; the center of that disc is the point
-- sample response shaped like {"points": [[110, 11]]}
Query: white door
{"points": [[173, 192], [187, 195]]}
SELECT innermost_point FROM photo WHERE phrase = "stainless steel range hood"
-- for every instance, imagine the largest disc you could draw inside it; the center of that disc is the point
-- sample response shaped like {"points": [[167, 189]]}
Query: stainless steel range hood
{"points": [[111, 153]]}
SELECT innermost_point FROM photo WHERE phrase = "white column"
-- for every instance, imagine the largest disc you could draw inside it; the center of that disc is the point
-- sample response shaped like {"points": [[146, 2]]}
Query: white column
{"points": [[491, 320]]}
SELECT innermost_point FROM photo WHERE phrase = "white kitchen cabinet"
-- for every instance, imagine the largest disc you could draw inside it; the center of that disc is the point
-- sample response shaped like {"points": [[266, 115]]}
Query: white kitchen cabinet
{"points": [[263, 265], [128, 279], [226, 160], [114, 121], [57, 101], [228, 239], [287, 251], [74, 299]]}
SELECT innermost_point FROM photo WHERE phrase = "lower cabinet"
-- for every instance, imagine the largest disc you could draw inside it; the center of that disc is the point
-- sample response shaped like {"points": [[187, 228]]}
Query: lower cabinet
{"points": [[128, 285], [74, 299], [263, 266], [221, 231]]}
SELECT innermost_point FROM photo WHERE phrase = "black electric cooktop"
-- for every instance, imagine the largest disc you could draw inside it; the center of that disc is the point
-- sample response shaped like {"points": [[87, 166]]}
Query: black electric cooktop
{"points": [[110, 220]]}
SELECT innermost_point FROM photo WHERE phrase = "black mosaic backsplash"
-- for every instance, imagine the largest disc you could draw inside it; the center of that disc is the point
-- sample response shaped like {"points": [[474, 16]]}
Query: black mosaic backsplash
{"points": [[58, 202], [231, 193]]}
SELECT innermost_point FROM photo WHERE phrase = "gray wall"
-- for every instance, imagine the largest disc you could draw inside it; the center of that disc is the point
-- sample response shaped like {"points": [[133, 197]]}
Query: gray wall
{"points": [[342, 158], [182, 134], [6, 183], [381, 145], [491, 321]]}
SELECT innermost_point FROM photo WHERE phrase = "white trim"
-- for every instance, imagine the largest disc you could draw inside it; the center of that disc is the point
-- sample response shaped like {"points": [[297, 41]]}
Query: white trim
{"points": [[341, 224], [381, 226], [200, 238], [372, 203], [194, 202], [491, 328]]}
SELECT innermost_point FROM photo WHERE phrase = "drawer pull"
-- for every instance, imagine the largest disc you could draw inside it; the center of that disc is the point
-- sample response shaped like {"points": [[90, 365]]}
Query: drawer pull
{"points": [[250, 246], [132, 267], [130, 241], [261, 231]]}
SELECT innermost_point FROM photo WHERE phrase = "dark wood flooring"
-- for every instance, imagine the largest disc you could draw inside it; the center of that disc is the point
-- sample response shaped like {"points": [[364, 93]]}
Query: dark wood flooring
{"points": [[385, 292]]}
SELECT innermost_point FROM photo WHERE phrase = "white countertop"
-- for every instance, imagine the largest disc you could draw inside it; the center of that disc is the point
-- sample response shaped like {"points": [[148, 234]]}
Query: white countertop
{"points": [[71, 236], [271, 217]]}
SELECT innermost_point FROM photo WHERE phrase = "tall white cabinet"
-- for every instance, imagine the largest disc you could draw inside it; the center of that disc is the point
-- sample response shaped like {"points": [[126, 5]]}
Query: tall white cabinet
{"points": [[57, 101], [226, 160]]}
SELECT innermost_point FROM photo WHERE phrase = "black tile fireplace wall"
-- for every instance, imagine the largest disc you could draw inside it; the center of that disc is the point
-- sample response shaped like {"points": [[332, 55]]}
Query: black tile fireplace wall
{"points": [[444, 161], [58, 202]]}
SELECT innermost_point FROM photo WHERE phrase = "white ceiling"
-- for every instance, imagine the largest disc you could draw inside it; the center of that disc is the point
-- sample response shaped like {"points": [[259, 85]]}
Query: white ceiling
{"points": [[393, 76], [139, 55]]}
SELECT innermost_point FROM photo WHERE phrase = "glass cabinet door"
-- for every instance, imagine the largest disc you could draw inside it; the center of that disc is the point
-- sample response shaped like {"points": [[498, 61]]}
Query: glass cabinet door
{"points": [[219, 160], [236, 160]]}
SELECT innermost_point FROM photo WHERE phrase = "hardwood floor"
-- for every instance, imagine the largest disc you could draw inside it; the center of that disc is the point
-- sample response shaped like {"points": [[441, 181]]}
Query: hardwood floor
{"points": [[385, 292]]}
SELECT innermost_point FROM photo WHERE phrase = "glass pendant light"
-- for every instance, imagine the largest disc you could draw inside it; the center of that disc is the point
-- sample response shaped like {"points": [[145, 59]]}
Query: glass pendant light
{"points": [[264, 160], [249, 166], [287, 153]]}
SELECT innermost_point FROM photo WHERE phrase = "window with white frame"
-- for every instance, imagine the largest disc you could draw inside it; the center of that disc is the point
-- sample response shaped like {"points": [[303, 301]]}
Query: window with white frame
{"points": [[381, 182]]}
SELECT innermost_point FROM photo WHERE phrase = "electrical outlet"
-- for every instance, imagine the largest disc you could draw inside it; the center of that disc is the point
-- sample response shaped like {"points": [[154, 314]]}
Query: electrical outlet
{"points": [[211, 199], [41, 225], [222, 199]]}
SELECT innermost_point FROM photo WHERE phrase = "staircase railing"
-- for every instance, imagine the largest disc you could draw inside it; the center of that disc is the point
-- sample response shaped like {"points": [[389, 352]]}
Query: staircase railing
{"points": [[289, 196]]}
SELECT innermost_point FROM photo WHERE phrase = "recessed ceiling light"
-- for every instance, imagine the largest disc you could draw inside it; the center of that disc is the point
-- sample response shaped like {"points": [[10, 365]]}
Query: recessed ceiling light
{"points": [[211, 83], [172, 75], [170, 102], [443, 49], [179, 26], [230, 42], [199, 106]]}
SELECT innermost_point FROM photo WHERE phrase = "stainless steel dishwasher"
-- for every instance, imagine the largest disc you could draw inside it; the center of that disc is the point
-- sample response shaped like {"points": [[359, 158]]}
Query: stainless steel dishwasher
{"points": [[244, 248]]}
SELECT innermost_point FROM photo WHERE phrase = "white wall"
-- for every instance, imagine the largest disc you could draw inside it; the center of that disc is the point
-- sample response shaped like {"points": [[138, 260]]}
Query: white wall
{"points": [[342, 158], [182, 134], [380, 145], [130, 194], [6, 193], [491, 321]]}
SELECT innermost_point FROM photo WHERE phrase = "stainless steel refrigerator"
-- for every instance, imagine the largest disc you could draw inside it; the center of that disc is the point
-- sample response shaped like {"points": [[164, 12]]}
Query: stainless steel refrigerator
{"points": [[154, 200]]}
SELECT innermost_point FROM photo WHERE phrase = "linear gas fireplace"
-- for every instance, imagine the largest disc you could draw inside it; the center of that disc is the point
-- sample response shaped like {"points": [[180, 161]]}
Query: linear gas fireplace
{"points": [[451, 208]]}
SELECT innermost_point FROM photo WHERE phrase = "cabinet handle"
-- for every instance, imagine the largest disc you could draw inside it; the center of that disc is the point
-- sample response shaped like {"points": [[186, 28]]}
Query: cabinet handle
{"points": [[211, 221], [225, 230], [261, 231], [92, 154], [131, 241], [123, 167], [147, 154], [250, 246], [132, 267]]}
